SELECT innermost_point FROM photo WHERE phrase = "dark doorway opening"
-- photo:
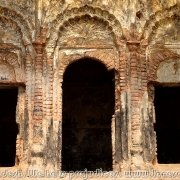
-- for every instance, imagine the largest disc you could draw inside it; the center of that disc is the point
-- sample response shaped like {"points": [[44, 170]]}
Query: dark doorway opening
{"points": [[167, 126], [8, 127], [88, 106]]}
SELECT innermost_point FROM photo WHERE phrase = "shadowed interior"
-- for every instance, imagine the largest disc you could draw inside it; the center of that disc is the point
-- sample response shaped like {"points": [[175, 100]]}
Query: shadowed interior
{"points": [[8, 127], [167, 126], [88, 106]]}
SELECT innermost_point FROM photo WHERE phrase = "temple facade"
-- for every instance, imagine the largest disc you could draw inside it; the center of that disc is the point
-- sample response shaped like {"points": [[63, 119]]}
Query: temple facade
{"points": [[88, 84]]}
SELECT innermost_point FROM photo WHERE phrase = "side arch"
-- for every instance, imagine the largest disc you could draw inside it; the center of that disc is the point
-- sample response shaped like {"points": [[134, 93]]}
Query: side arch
{"points": [[11, 59], [156, 57], [14, 16], [10, 32], [156, 18]]}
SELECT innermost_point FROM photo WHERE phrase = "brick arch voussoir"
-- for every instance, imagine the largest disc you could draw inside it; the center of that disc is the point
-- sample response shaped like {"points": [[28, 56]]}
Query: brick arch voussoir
{"points": [[156, 18], [66, 61]]}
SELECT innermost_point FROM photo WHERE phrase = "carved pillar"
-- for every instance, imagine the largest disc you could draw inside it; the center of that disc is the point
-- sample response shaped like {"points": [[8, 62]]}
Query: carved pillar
{"points": [[147, 110], [50, 121], [36, 125], [143, 61], [21, 155], [122, 128], [135, 89]]}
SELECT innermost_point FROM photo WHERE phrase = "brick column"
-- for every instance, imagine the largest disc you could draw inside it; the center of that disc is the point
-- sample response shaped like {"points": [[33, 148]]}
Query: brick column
{"points": [[37, 146], [38, 96], [147, 111], [135, 89], [28, 102], [122, 128], [143, 61]]}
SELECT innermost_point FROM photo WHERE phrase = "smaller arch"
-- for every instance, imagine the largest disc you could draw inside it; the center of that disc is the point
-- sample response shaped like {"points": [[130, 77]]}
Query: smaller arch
{"points": [[7, 72], [11, 59], [168, 71], [156, 57]]}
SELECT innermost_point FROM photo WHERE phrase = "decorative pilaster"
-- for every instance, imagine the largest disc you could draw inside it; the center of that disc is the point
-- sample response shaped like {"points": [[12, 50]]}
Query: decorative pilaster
{"points": [[38, 96], [135, 90], [37, 116]]}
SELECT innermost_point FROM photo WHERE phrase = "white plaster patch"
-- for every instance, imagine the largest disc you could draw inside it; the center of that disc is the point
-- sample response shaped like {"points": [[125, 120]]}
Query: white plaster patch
{"points": [[77, 51], [169, 71]]}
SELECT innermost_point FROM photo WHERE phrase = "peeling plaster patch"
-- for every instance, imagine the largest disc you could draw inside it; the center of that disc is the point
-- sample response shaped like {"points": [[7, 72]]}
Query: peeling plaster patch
{"points": [[79, 51], [178, 51], [68, 52], [169, 71], [37, 148], [56, 53], [18, 53]]}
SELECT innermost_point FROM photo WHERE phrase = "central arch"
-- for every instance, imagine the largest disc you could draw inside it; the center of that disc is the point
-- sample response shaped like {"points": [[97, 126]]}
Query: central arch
{"points": [[88, 106]]}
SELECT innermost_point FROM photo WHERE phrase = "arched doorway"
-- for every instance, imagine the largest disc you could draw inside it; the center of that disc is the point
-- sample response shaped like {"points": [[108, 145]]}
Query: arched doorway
{"points": [[88, 106]]}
